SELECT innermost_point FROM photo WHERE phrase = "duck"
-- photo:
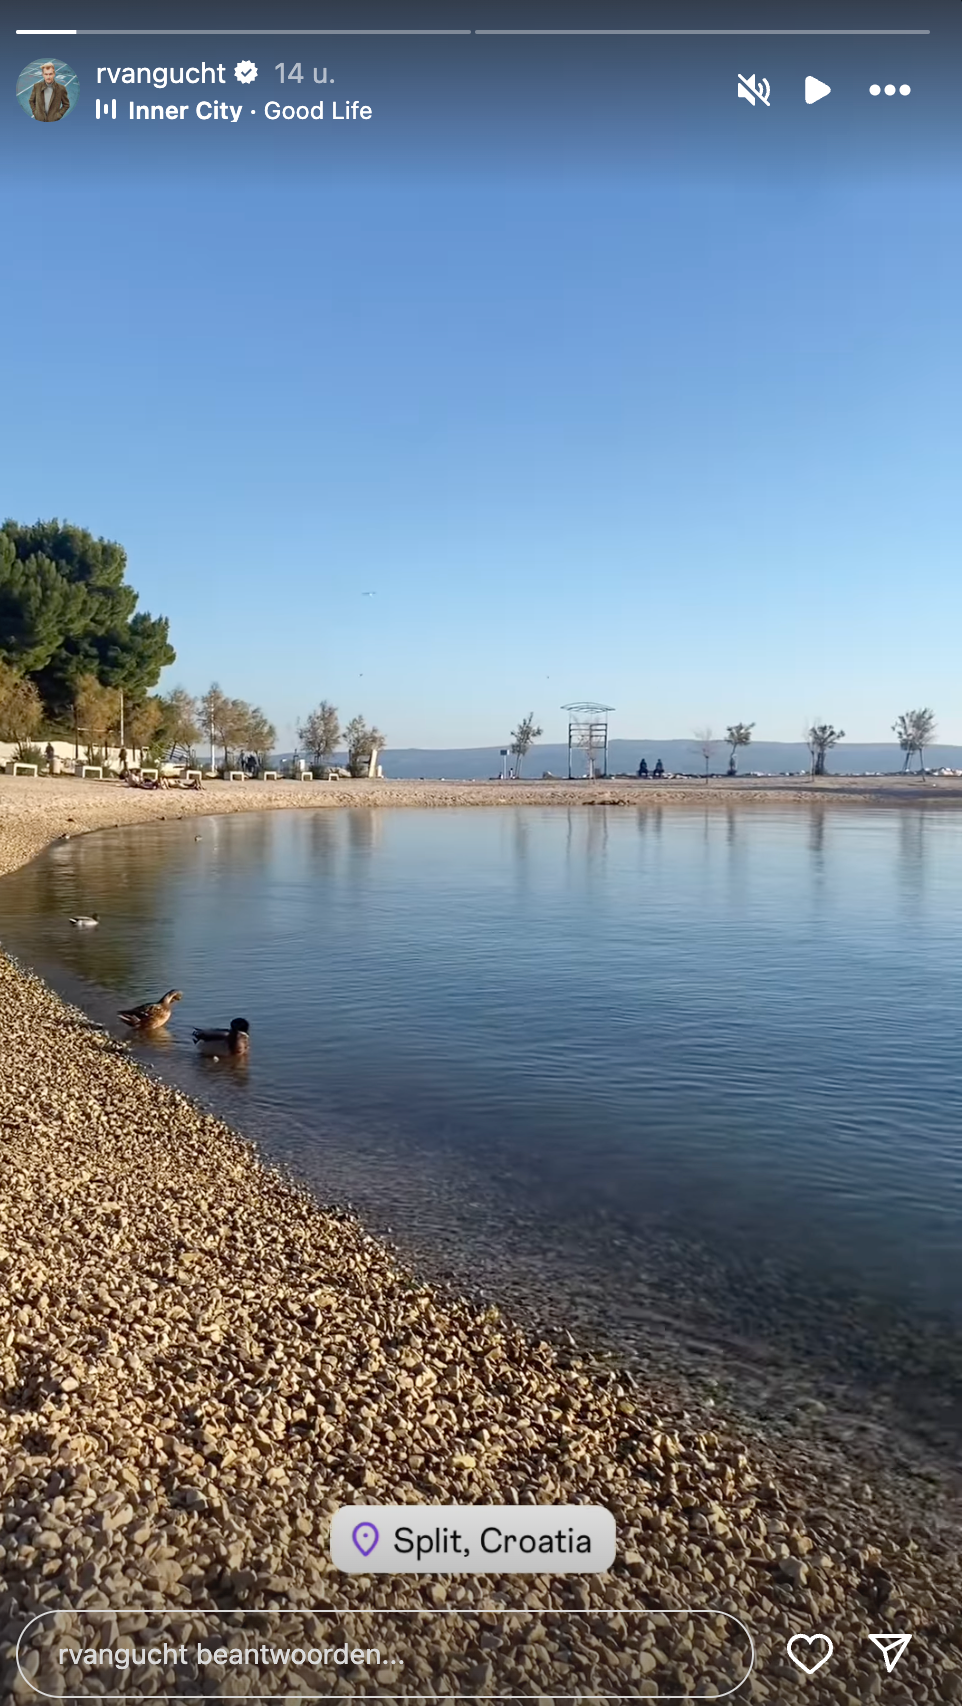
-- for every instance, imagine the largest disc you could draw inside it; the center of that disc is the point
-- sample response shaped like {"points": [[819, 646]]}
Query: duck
{"points": [[86, 921], [236, 1040], [150, 1015]]}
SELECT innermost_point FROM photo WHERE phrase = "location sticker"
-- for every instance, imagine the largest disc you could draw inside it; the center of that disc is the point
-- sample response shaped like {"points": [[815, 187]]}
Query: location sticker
{"points": [[365, 1538]]}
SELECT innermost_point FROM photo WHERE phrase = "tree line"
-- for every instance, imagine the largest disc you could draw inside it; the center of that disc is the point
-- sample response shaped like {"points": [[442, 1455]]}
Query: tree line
{"points": [[914, 731], [78, 660], [321, 735], [162, 726]]}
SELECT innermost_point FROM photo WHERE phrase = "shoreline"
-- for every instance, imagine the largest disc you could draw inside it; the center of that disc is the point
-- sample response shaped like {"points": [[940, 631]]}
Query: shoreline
{"points": [[205, 1362], [35, 811]]}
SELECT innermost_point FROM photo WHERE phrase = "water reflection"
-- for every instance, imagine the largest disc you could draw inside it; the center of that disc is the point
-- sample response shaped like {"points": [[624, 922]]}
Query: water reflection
{"points": [[521, 836], [147, 1043], [215, 1066], [816, 835], [913, 836], [587, 840], [323, 838], [363, 831], [692, 1036]]}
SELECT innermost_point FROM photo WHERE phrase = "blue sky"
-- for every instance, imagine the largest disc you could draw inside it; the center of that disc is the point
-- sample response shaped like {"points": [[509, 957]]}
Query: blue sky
{"points": [[605, 384]]}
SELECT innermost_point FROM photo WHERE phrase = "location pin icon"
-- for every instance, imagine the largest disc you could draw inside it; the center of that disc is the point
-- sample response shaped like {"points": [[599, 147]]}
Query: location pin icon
{"points": [[365, 1538]]}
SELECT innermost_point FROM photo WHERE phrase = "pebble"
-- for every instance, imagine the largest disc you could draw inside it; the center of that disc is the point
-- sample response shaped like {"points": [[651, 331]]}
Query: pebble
{"points": [[201, 1364]]}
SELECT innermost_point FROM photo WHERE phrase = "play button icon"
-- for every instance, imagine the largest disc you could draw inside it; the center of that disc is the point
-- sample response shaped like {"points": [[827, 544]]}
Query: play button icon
{"points": [[815, 91]]}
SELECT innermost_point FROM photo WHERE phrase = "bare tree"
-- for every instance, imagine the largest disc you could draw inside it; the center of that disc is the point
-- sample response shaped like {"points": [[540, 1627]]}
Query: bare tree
{"points": [[707, 746], [95, 710], [320, 733], [915, 730], [215, 708], [144, 727], [180, 727], [235, 725], [820, 739], [737, 734], [362, 742], [254, 731], [236, 730], [523, 739]]}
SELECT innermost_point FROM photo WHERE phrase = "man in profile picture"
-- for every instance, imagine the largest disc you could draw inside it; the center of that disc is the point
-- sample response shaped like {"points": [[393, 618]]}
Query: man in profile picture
{"points": [[49, 100]]}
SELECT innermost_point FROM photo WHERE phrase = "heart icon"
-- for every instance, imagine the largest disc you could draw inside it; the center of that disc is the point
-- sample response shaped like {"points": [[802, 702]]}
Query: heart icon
{"points": [[810, 1641], [365, 1538]]}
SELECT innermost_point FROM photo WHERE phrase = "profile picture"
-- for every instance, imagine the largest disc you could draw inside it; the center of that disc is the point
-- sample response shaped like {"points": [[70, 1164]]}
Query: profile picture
{"points": [[47, 90]]}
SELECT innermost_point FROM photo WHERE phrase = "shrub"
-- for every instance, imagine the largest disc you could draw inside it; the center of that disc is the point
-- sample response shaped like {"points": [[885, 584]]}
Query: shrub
{"points": [[30, 755]]}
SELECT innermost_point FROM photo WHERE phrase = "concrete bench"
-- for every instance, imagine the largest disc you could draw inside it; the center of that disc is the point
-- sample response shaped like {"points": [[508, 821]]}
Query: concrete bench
{"points": [[235, 776], [269, 776], [84, 770], [304, 776], [153, 774], [16, 768], [193, 776]]}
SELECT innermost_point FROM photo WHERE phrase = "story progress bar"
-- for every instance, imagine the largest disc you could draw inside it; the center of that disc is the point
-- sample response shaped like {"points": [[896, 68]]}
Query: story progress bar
{"points": [[587, 32]]}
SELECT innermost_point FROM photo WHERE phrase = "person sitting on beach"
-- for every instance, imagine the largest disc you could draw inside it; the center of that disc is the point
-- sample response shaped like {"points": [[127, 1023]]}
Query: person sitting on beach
{"points": [[659, 769], [643, 767]]}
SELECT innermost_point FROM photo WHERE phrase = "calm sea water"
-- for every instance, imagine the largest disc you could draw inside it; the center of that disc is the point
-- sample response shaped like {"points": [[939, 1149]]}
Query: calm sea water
{"points": [[687, 1067]]}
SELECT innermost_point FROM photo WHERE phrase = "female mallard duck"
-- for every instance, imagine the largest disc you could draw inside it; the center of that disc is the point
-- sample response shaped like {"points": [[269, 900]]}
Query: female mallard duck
{"points": [[150, 1015], [85, 921], [236, 1040]]}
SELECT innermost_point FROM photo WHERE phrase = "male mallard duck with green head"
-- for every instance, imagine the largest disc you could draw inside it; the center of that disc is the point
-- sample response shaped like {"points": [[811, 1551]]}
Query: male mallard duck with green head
{"points": [[236, 1040]]}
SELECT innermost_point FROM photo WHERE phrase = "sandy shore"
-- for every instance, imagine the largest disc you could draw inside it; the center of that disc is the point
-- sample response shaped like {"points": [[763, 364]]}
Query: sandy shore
{"points": [[199, 1364]]}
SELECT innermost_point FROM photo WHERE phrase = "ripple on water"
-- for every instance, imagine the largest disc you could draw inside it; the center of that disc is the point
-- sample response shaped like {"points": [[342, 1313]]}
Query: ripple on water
{"points": [[645, 1060]]}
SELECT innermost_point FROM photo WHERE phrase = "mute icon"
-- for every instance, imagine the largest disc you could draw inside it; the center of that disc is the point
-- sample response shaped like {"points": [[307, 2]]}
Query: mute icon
{"points": [[754, 89]]}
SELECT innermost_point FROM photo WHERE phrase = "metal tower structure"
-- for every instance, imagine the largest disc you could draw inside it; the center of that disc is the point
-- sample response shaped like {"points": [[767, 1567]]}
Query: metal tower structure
{"points": [[588, 731]]}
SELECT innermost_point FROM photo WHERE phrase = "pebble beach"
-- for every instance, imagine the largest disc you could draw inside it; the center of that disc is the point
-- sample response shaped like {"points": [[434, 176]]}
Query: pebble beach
{"points": [[201, 1363]]}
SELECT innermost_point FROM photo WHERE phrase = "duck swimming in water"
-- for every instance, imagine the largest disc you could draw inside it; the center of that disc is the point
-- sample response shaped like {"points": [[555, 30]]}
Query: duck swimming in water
{"points": [[150, 1015], [236, 1040], [83, 921]]}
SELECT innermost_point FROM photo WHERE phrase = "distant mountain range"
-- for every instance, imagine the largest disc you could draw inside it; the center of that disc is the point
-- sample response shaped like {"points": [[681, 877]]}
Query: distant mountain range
{"points": [[475, 763]]}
